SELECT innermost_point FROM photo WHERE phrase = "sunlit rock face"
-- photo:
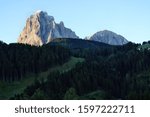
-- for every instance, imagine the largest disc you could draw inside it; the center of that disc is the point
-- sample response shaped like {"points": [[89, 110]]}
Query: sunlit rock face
{"points": [[41, 28]]}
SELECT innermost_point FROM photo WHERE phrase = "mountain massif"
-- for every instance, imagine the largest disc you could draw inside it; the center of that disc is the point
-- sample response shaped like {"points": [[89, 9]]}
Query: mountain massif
{"points": [[108, 37], [71, 68], [41, 29]]}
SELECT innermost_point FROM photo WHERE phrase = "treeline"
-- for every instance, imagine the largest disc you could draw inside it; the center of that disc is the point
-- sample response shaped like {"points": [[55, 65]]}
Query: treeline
{"points": [[122, 72], [18, 60]]}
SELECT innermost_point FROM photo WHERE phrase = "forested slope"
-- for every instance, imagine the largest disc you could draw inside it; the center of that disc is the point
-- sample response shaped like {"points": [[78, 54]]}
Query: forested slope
{"points": [[17, 60], [102, 71]]}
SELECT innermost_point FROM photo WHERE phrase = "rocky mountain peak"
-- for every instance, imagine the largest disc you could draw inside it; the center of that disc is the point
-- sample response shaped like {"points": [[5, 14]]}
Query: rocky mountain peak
{"points": [[62, 23], [41, 28], [108, 37]]}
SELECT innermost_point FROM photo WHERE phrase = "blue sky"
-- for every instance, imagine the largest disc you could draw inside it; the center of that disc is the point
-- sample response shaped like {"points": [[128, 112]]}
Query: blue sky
{"points": [[130, 18]]}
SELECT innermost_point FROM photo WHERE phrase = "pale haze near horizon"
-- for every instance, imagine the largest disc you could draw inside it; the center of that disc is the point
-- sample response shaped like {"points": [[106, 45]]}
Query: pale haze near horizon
{"points": [[129, 18]]}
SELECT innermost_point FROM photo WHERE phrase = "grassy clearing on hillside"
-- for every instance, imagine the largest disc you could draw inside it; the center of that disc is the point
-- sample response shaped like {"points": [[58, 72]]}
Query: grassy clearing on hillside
{"points": [[96, 95], [8, 90]]}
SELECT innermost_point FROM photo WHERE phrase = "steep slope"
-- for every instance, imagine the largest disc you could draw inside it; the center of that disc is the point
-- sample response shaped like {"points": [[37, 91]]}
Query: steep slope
{"points": [[41, 28], [108, 37], [8, 90]]}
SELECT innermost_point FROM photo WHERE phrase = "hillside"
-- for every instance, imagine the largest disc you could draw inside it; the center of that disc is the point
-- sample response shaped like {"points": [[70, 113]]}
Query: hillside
{"points": [[8, 90], [74, 69], [25, 59]]}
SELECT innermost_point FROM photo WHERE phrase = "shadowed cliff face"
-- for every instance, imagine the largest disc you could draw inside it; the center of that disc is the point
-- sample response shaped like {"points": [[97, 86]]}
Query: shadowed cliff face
{"points": [[41, 28]]}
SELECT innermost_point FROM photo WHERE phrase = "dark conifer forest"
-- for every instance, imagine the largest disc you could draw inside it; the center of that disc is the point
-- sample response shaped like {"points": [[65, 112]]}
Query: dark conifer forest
{"points": [[75, 69]]}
